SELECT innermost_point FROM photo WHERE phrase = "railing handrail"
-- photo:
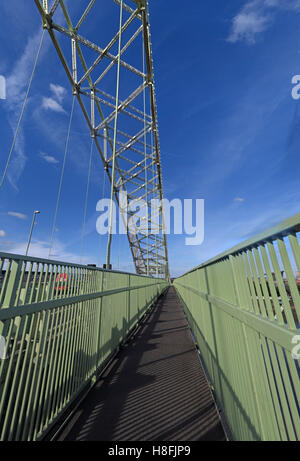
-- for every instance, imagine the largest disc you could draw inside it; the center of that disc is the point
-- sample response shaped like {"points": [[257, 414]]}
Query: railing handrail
{"points": [[243, 307], [59, 334], [280, 230], [33, 259]]}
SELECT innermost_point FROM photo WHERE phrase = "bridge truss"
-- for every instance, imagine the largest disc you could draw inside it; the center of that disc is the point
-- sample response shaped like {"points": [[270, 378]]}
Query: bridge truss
{"points": [[113, 83]]}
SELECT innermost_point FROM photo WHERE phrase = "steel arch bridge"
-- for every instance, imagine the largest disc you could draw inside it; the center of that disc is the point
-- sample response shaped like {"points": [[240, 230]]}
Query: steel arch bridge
{"points": [[216, 352], [123, 118]]}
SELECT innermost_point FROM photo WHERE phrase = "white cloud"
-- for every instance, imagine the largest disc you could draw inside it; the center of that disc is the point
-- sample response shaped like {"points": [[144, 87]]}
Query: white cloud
{"points": [[40, 249], [246, 26], [16, 85], [58, 91], [2, 233], [237, 226], [55, 103], [256, 16], [18, 215], [239, 199], [52, 104], [49, 158]]}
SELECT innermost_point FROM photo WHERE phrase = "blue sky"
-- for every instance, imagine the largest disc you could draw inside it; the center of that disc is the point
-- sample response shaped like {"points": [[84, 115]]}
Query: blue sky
{"points": [[229, 128]]}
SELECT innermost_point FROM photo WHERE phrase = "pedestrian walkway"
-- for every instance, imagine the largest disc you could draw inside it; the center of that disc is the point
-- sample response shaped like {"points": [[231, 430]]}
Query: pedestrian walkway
{"points": [[155, 390]]}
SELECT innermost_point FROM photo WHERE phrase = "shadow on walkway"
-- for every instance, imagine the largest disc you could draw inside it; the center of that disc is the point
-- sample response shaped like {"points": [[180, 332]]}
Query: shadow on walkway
{"points": [[155, 390]]}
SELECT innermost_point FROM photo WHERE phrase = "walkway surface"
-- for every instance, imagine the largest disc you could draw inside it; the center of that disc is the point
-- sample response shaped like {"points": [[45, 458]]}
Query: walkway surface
{"points": [[154, 391]]}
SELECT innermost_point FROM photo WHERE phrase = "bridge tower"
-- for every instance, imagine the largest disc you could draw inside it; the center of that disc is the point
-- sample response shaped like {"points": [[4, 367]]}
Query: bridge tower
{"points": [[112, 79]]}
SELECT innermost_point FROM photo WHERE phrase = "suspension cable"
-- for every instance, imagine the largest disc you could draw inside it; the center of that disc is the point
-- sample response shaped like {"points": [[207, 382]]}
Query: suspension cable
{"points": [[145, 151], [86, 201], [62, 176], [153, 175], [23, 110], [115, 142], [103, 193]]}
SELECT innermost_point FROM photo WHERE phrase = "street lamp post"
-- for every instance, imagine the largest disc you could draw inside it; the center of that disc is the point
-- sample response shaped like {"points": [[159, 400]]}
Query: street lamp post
{"points": [[30, 234]]}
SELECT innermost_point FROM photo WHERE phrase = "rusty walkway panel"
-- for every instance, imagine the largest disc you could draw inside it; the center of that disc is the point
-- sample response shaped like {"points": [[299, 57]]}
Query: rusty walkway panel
{"points": [[155, 390]]}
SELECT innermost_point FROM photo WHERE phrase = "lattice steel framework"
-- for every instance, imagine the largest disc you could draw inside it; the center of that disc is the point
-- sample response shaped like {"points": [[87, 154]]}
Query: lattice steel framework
{"points": [[114, 86]]}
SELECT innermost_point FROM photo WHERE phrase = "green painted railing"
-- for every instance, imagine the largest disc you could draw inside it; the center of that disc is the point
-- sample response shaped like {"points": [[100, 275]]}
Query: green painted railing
{"points": [[61, 323], [244, 309]]}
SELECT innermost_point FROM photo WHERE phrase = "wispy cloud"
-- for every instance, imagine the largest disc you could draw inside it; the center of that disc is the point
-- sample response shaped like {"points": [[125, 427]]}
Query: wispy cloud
{"points": [[49, 158], [256, 16], [239, 199], [249, 23], [52, 104], [40, 249], [2, 233], [16, 85], [58, 91], [236, 227], [18, 215]]}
